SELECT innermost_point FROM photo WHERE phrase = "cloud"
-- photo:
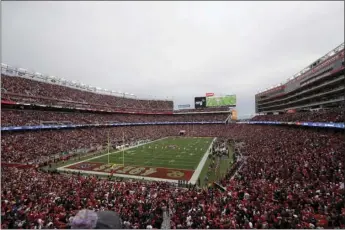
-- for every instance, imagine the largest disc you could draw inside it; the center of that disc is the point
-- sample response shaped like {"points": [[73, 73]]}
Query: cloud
{"points": [[165, 49]]}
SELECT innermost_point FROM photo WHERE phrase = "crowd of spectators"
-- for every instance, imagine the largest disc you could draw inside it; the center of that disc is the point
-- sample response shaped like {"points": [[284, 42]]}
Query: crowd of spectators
{"points": [[290, 178], [26, 90], [37, 117], [325, 115]]}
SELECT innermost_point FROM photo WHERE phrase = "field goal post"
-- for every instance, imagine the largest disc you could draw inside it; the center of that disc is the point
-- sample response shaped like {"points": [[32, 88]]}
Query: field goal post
{"points": [[123, 150]]}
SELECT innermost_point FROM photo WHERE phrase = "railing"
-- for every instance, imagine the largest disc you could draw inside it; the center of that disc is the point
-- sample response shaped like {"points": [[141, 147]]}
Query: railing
{"points": [[32, 75]]}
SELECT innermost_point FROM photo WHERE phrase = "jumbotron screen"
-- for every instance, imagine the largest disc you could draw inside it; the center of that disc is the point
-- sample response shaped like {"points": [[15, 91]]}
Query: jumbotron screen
{"points": [[229, 100], [200, 102]]}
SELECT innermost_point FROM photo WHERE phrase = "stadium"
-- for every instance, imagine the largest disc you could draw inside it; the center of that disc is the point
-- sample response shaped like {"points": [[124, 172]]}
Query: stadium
{"points": [[68, 146]]}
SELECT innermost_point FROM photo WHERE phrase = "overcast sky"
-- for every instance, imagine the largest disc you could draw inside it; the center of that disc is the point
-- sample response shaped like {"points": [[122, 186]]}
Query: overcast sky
{"points": [[165, 49]]}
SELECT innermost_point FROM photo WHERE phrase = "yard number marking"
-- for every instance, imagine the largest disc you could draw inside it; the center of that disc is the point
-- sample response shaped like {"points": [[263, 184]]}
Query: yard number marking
{"points": [[175, 174]]}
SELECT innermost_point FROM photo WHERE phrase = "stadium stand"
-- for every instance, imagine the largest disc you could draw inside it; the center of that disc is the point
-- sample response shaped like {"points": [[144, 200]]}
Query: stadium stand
{"points": [[37, 117], [52, 92]]}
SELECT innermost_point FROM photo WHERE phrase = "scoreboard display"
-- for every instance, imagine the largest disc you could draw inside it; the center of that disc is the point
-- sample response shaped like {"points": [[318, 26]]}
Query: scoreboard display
{"points": [[229, 100], [200, 102]]}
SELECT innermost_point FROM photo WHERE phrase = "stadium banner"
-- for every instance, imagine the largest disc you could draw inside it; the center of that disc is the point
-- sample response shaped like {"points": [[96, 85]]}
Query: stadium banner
{"points": [[7, 102], [209, 94], [310, 124], [229, 100], [183, 106], [39, 127], [200, 102]]}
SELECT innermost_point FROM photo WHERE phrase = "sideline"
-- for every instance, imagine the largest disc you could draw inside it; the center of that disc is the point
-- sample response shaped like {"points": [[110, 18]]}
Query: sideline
{"points": [[201, 165]]}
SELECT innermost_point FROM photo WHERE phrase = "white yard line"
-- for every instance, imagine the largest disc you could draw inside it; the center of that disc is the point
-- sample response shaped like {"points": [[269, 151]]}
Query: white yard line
{"points": [[202, 162], [65, 166]]}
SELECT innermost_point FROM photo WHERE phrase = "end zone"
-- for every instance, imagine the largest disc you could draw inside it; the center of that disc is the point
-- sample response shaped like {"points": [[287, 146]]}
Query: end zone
{"points": [[136, 172]]}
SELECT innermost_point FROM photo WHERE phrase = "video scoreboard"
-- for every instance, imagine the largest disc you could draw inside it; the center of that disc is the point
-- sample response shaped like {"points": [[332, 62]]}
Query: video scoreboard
{"points": [[200, 102], [215, 101]]}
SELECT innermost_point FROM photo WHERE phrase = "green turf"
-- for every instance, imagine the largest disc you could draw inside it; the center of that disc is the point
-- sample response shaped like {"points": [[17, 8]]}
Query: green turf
{"points": [[186, 155]]}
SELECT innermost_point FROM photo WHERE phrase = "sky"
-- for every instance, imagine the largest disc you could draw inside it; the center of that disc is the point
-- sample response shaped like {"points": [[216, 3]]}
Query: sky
{"points": [[176, 50]]}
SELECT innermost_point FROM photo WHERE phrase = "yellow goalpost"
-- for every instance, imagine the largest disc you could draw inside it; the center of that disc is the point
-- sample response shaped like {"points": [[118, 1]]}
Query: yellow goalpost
{"points": [[123, 150]]}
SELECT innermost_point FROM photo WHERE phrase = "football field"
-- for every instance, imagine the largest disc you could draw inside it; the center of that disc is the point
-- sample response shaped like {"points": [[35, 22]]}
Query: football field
{"points": [[172, 158]]}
